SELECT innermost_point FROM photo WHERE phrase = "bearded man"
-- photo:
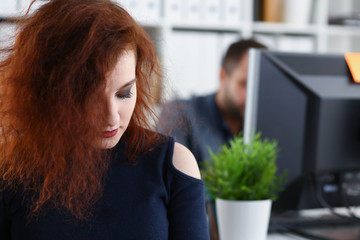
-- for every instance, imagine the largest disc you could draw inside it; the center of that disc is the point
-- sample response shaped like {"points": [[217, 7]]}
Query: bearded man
{"points": [[212, 120]]}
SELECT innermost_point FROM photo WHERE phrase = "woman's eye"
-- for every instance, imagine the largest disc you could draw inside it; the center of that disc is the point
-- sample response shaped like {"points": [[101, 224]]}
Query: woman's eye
{"points": [[123, 95]]}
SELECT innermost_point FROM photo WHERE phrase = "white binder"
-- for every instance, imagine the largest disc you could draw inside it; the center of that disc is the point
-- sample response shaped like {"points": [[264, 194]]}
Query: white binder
{"points": [[194, 63], [194, 11], [303, 44], [150, 10], [231, 12], [212, 11], [134, 8], [175, 10]]}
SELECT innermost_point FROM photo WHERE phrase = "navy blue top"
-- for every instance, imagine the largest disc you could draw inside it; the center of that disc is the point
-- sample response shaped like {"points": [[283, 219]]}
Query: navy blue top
{"points": [[148, 200], [197, 123]]}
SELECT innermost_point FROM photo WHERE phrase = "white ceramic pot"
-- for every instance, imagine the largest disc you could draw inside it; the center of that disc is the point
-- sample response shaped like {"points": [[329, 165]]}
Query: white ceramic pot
{"points": [[243, 220]]}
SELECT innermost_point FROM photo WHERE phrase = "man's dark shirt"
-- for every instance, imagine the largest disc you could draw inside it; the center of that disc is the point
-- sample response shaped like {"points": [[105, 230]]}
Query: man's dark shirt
{"points": [[197, 123]]}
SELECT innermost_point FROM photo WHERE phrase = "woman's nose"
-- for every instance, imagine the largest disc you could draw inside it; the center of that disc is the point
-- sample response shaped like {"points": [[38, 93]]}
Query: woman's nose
{"points": [[112, 114]]}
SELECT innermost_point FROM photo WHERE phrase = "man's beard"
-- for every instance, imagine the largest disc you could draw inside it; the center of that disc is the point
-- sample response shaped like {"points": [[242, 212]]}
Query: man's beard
{"points": [[233, 110]]}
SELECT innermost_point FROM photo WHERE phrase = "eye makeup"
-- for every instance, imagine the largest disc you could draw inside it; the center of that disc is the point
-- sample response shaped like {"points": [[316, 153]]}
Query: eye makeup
{"points": [[125, 91], [124, 94]]}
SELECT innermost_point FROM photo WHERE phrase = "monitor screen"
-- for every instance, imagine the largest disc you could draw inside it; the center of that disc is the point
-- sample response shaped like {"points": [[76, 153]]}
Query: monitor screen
{"points": [[311, 106]]}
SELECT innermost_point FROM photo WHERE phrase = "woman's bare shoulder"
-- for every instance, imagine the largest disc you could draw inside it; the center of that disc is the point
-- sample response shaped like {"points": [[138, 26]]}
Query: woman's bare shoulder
{"points": [[185, 161]]}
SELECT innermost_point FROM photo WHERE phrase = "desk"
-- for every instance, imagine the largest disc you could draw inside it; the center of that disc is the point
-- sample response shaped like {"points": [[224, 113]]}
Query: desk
{"points": [[347, 230], [345, 233], [284, 236]]}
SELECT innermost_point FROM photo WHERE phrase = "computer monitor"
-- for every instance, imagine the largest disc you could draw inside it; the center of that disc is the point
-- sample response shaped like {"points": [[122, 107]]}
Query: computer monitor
{"points": [[311, 106]]}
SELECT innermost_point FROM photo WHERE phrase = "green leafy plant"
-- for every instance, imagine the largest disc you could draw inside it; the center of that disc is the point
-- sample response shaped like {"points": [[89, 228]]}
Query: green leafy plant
{"points": [[244, 171]]}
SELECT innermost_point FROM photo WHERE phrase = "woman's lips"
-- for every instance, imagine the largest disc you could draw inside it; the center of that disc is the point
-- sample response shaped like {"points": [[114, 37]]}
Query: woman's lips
{"points": [[109, 134]]}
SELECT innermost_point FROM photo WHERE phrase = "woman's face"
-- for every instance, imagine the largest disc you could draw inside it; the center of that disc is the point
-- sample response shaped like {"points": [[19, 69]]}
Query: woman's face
{"points": [[120, 96]]}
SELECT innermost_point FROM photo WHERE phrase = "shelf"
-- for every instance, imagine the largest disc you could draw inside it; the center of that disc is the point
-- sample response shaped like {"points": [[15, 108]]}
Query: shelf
{"points": [[343, 30], [284, 28], [207, 27], [150, 24]]}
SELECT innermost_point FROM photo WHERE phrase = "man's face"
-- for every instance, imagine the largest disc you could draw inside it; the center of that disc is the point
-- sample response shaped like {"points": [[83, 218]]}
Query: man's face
{"points": [[234, 87]]}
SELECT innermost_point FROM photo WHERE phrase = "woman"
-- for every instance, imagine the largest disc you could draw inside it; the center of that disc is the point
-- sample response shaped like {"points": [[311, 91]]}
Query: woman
{"points": [[77, 160]]}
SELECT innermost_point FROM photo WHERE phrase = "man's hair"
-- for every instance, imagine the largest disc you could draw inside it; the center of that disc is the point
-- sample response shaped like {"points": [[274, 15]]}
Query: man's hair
{"points": [[236, 51]]}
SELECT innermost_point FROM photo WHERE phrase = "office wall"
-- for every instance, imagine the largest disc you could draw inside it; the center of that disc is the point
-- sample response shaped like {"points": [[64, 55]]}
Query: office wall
{"points": [[192, 35]]}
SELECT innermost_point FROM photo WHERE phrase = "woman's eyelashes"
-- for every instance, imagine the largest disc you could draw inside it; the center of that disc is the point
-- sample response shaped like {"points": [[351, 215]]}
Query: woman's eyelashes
{"points": [[124, 94]]}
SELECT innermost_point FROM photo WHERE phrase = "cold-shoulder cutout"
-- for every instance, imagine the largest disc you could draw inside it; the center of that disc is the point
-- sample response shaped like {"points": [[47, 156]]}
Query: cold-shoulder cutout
{"points": [[184, 161]]}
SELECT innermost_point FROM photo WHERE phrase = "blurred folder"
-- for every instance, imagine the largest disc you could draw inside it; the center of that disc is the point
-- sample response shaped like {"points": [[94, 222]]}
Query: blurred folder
{"points": [[273, 10]]}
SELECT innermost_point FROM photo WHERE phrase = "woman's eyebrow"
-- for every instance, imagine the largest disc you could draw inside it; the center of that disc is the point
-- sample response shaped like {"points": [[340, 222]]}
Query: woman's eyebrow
{"points": [[128, 84]]}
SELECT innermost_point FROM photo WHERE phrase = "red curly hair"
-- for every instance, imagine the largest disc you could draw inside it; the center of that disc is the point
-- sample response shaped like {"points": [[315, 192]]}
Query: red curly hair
{"points": [[58, 62]]}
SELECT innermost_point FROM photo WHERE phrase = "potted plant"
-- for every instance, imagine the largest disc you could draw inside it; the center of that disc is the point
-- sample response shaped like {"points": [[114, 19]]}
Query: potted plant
{"points": [[243, 180]]}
